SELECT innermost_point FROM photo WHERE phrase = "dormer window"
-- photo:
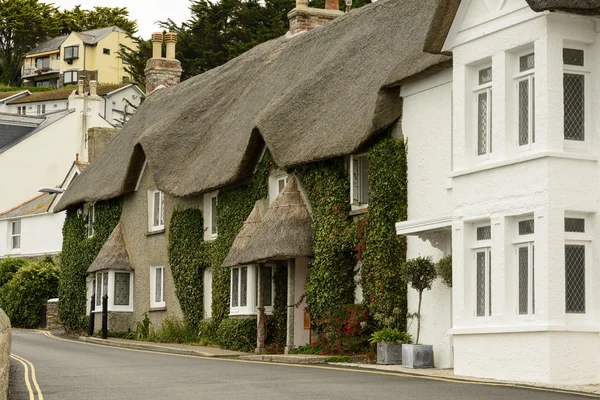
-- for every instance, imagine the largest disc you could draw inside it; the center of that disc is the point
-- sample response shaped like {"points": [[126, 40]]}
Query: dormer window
{"points": [[574, 94], [71, 53], [156, 211], [483, 95], [526, 95], [359, 181]]}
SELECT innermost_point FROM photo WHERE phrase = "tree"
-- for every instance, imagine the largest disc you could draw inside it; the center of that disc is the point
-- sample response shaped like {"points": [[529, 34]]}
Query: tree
{"points": [[23, 25], [135, 60], [78, 20], [421, 273]]}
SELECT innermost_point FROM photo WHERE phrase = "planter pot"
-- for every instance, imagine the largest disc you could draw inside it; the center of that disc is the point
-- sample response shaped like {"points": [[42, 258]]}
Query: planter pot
{"points": [[389, 353], [417, 356]]}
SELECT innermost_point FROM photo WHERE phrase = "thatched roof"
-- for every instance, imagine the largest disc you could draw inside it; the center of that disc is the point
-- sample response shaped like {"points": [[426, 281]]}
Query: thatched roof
{"points": [[285, 231], [310, 97], [446, 12], [113, 255]]}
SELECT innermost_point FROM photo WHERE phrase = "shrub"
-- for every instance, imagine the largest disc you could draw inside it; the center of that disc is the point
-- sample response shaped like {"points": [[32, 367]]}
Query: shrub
{"points": [[390, 335], [8, 267], [421, 273], [444, 270], [22, 297], [343, 331], [237, 334], [175, 331]]}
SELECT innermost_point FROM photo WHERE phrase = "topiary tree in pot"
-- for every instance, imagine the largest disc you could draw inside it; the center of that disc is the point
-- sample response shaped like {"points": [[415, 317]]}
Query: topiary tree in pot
{"points": [[420, 273]]}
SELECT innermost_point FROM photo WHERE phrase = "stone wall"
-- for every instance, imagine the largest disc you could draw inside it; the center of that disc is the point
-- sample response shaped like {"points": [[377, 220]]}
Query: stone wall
{"points": [[306, 19], [52, 320], [117, 321], [5, 342]]}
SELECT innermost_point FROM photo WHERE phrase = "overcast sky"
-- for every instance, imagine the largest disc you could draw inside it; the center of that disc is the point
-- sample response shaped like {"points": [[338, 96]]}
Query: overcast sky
{"points": [[145, 12]]}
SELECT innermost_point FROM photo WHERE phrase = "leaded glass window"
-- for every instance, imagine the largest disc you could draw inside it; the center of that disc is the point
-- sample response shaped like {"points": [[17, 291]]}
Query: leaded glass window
{"points": [[575, 225], [213, 215], [485, 76], [526, 227], [575, 279], [235, 287], [574, 57], [527, 62], [483, 275], [484, 112], [523, 280], [484, 232], [98, 290], [244, 286], [122, 288], [574, 106]]}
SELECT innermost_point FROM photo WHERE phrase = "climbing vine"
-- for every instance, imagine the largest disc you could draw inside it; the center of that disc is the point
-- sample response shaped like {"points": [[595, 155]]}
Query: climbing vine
{"points": [[277, 323], [186, 246], [78, 253], [330, 283], [383, 251]]}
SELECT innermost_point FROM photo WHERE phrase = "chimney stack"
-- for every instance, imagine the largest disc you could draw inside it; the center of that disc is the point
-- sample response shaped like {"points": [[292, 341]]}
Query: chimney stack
{"points": [[304, 18], [93, 88], [97, 140], [161, 71]]}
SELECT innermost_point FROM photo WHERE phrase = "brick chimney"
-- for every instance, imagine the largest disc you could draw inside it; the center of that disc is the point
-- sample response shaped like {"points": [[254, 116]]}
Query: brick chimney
{"points": [[304, 18], [162, 71], [97, 139]]}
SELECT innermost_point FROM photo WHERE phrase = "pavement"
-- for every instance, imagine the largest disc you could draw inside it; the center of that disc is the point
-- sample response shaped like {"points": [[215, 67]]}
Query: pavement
{"points": [[69, 369]]}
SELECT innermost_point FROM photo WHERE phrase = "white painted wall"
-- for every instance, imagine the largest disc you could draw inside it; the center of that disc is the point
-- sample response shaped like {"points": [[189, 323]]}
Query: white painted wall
{"points": [[425, 125], [114, 106], [301, 335], [40, 234], [44, 158], [31, 108]]}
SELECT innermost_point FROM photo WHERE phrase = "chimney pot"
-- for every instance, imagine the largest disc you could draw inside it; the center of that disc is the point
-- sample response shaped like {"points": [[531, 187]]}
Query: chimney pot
{"points": [[80, 87], [332, 5], [171, 41], [157, 40], [93, 88], [301, 3]]}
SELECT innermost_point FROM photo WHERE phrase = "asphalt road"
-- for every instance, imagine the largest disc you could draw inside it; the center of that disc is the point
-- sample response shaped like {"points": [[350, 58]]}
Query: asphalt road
{"points": [[66, 370]]}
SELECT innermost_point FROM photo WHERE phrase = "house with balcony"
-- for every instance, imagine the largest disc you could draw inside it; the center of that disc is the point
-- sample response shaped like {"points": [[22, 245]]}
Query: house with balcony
{"points": [[89, 55]]}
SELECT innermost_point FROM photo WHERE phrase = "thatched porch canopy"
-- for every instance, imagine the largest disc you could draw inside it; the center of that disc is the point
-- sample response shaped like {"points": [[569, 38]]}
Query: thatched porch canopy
{"points": [[284, 231], [113, 254], [309, 97]]}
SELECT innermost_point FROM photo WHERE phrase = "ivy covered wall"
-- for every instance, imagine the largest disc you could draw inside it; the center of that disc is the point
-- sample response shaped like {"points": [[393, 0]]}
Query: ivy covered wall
{"points": [[78, 253], [384, 286]]}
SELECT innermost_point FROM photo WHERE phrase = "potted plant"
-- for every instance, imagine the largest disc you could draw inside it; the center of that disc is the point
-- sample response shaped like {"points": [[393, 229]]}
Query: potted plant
{"points": [[389, 345], [420, 273]]}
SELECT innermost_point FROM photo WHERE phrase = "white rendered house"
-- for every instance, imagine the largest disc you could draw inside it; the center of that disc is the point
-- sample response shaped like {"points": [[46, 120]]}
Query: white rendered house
{"points": [[503, 175]]}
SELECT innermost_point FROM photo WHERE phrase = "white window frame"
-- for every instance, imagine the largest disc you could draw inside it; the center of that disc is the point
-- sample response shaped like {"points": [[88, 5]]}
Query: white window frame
{"points": [[91, 220], [359, 182], [209, 236], [525, 241], [585, 71], [484, 246], [153, 303], [110, 291], [251, 292], [529, 77], [151, 211], [582, 239], [41, 109], [214, 231], [13, 235], [486, 88], [274, 182]]}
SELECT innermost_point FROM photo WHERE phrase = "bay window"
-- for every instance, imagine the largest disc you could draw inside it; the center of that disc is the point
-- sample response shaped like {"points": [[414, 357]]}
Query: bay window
{"points": [[244, 289], [117, 285]]}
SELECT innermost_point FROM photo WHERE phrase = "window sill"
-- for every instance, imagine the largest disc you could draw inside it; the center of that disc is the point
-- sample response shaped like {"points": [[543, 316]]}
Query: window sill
{"points": [[157, 309], [530, 157], [156, 232], [359, 211]]}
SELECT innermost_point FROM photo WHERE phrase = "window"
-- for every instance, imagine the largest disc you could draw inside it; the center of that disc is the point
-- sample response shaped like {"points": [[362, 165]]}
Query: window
{"points": [[575, 265], [213, 216], [22, 110], [106, 51], [359, 182], [42, 63], [70, 77], [71, 53], [281, 182], [525, 251], [157, 210], [483, 95], [122, 288], [91, 219], [157, 287], [244, 289], [574, 94], [126, 79], [41, 109], [15, 235], [526, 96], [483, 271], [101, 288]]}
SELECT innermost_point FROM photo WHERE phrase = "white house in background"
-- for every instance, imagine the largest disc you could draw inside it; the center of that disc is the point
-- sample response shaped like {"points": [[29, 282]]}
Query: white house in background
{"points": [[118, 102], [503, 175], [37, 148], [32, 229]]}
